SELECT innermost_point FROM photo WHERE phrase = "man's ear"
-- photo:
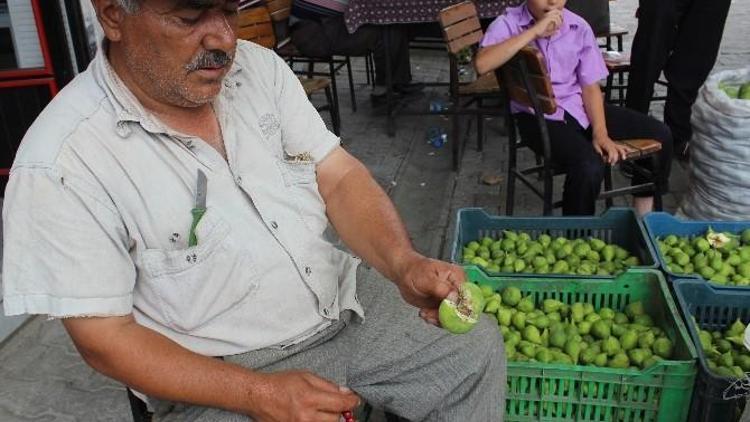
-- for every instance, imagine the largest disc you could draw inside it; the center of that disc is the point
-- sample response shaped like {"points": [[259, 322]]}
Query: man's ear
{"points": [[111, 16]]}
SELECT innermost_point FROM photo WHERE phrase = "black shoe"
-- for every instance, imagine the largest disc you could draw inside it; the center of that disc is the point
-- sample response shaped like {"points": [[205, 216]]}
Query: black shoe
{"points": [[408, 89], [379, 98]]}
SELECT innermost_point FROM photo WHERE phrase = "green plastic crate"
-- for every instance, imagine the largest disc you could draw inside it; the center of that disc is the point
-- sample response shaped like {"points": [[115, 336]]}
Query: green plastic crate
{"points": [[714, 308], [536, 391]]}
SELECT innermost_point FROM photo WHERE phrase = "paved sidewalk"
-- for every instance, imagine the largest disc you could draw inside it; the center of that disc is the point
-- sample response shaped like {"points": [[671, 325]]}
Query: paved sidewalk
{"points": [[43, 377]]}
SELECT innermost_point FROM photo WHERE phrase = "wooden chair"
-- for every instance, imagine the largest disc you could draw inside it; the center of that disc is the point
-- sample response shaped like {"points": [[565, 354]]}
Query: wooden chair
{"points": [[526, 81], [280, 12], [614, 32], [461, 31], [256, 25]]}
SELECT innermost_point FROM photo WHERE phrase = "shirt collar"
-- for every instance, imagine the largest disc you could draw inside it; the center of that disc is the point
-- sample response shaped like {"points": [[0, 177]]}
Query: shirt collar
{"points": [[127, 107]]}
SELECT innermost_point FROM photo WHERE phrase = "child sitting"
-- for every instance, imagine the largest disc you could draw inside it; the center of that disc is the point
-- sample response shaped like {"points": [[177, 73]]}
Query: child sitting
{"points": [[582, 128]]}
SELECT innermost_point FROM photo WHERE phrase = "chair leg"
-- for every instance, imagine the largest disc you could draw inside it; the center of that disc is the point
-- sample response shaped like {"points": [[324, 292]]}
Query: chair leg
{"points": [[656, 174], [310, 69], [480, 133], [510, 191], [538, 160], [334, 88], [367, 68], [608, 185], [455, 135], [547, 190], [352, 93], [510, 184], [372, 69], [333, 109]]}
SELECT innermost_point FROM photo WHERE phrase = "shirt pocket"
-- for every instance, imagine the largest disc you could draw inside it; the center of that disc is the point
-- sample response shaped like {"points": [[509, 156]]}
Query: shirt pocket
{"points": [[193, 286], [565, 59], [300, 179]]}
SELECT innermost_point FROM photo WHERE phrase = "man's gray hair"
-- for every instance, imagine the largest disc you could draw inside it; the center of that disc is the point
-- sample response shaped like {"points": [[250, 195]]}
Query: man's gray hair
{"points": [[130, 6]]}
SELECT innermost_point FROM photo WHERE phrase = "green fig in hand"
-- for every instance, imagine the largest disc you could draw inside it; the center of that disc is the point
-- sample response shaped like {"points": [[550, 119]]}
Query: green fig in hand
{"points": [[459, 312]]}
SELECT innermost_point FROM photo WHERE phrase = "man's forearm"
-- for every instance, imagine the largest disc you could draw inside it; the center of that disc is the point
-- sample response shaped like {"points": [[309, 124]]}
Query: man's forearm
{"points": [[156, 366], [368, 223]]}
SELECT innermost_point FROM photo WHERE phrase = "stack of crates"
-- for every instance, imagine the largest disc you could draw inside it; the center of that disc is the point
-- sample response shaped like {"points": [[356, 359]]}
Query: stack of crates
{"points": [[711, 307], [557, 392]]}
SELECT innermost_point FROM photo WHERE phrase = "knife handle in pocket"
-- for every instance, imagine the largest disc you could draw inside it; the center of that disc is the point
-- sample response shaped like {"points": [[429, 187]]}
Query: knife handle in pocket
{"points": [[197, 214]]}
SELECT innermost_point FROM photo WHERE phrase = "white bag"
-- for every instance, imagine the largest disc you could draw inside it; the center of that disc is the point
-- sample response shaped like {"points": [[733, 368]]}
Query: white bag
{"points": [[719, 152]]}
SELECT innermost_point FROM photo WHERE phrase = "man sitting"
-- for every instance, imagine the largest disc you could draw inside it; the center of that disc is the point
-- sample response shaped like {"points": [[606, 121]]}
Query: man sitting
{"points": [[243, 308]]}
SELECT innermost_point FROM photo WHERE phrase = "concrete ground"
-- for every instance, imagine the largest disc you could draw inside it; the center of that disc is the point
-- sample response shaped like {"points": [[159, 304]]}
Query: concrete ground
{"points": [[44, 379]]}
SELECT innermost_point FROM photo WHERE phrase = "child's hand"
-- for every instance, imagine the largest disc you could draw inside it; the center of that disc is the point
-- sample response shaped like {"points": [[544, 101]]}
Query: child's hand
{"points": [[610, 151], [549, 24]]}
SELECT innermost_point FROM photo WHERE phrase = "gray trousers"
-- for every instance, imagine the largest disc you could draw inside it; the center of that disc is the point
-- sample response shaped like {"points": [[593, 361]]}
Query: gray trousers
{"points": [[392, 360]]}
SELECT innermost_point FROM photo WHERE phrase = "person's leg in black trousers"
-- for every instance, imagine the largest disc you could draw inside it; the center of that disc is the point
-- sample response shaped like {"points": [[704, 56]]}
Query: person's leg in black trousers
{"points": [[693, 56], [652, 43], [623, 123], [571, 149], [369, 38], [330, 36], [682, 38]]}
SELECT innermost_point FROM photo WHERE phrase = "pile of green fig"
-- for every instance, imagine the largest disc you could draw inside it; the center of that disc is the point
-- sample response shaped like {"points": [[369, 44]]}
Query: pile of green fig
{"points": [[517, 252], [576, 334], [725, 351], [719, 257]]}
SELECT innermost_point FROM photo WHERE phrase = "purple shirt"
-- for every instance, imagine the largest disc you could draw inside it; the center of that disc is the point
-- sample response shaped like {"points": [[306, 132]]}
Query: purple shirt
{"points": [[572, 55]]}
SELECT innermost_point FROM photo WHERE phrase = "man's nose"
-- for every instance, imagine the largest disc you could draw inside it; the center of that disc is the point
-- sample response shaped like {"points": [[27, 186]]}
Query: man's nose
{"points": [[220, 32]]}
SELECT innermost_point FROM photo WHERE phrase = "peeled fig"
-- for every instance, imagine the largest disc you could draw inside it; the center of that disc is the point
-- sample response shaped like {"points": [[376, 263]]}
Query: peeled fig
{"points": [[460, 311]]}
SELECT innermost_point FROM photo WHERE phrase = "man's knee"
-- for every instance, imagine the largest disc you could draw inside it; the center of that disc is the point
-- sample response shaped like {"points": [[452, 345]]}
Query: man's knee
{"points": [[484, 343]]}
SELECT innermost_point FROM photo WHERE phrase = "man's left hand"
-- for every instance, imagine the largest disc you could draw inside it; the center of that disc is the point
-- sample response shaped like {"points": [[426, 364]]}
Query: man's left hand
{"points": [[425, 282]]}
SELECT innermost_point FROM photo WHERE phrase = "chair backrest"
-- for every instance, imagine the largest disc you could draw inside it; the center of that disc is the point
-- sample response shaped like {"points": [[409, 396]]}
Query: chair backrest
{"points": [[528, 61], [255, 25], [461, 27], [280, 9]]}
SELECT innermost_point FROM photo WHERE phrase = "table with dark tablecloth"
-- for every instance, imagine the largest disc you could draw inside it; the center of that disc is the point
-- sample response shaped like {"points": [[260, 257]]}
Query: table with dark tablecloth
{"points": [[387, 12]]}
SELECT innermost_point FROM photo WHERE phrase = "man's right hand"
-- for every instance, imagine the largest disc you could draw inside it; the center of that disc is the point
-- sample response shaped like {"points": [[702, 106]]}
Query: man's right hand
{"points": [[299, 396], [549, 24]]}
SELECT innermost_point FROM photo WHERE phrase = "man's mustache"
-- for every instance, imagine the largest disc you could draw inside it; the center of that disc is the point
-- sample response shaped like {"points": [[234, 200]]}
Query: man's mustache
{"points": [[209, 59]]}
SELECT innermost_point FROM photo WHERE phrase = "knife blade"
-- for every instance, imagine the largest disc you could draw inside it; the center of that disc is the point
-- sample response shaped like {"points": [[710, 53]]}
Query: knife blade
{"points": [[199, 208]]}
